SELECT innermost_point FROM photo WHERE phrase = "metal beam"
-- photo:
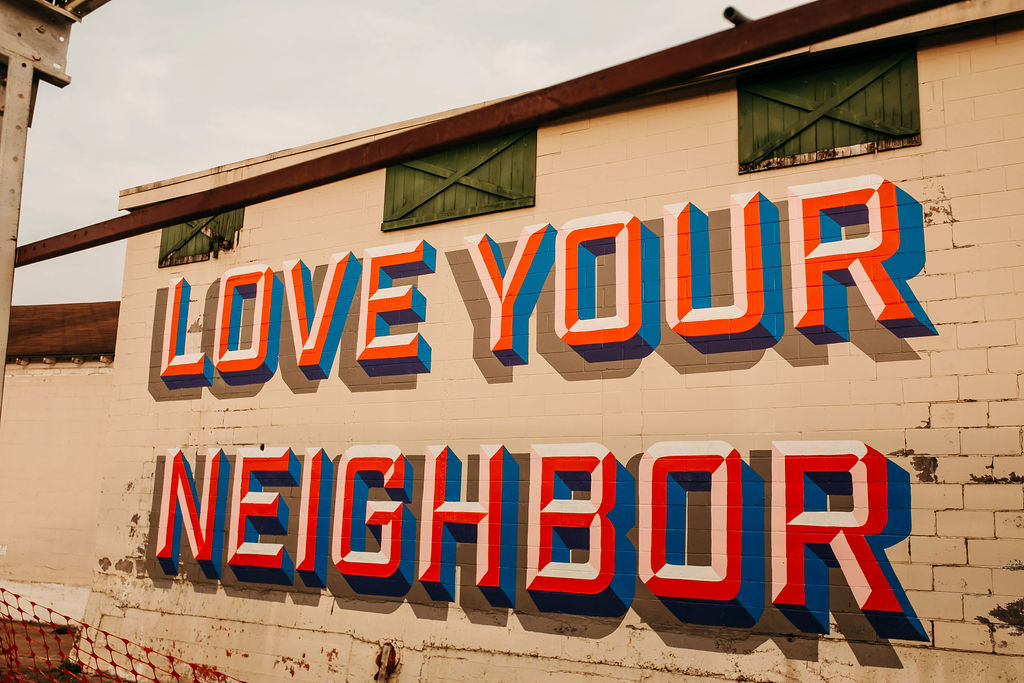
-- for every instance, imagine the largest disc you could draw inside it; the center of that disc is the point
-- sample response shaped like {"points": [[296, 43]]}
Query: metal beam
{"points": [[82, 7], [16, 95], [38, 33], [49, 7], [751, 41]]}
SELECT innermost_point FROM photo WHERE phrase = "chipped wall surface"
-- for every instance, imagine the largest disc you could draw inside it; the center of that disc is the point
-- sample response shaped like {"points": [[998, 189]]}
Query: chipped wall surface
{"points": [[895, 455]]}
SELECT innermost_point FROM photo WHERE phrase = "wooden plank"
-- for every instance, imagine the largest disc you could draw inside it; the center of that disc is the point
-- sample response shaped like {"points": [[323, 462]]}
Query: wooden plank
{"points": [[807, 138], [434, 190], [744, 122], [910, 102], [416, 221], [181, 243], [760, 127], [506, 180], [867, 102], [809, 104], [812, 116], [780, 118], [446, 204], [467, 180], [179, 236], [826, 128]]}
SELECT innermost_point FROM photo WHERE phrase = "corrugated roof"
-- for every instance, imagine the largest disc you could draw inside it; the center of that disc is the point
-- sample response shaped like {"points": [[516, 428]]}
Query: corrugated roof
{"points": [[88, 329]]}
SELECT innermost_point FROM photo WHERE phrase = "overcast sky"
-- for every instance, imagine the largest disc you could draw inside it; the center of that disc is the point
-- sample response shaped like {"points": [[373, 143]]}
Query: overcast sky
{"points": [[161, 88]]}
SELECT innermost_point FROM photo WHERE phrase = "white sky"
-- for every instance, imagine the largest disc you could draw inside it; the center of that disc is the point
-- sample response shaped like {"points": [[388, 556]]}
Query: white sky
{"points": [[163, 88]]}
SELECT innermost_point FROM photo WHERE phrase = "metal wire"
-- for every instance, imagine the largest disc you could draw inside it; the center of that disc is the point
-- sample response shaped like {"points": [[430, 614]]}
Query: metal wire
{"points": [[39, 644]]}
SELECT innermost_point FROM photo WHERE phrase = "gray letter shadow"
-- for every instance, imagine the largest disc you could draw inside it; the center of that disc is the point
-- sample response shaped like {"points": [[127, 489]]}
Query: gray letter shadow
{"points": [[794, 347], [683, 635], [866, 333], [288, 362], [479, 309], [157, 389], [874, 339], [562, 357], [773, 625], [675, 350], [221, 389], [530, 617], [350, 371], [189, 570]]}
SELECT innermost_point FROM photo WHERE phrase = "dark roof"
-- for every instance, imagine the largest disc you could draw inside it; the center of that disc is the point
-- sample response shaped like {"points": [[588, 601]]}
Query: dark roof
{"points": [[63, 329], [748, 42]]}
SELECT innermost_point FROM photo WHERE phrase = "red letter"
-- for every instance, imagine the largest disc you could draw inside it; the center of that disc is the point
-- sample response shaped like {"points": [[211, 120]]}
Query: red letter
{"points": [[177, 368], [490, 520], [513, 291], [179, 506], [387, 571], [255, 511], [560, 523], [807, 533], [315, 518], [826, 261], [384, 305]]}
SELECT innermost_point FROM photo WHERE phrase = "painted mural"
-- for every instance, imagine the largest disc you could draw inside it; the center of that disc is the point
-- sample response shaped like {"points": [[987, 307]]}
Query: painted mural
{"points": [[582, 509], [825, 261], [567, 528]]}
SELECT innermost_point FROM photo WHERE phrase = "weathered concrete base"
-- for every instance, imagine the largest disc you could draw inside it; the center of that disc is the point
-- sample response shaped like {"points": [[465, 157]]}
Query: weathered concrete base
{"points": [[68, 600]]}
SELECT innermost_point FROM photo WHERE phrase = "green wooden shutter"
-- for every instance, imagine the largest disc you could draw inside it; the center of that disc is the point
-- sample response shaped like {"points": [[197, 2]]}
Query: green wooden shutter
{"points": [[856, 107], [474, 179], [197, 239]]}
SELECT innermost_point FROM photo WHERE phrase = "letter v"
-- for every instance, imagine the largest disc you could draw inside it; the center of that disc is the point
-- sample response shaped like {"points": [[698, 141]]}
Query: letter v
{"points": [[317, 332]]}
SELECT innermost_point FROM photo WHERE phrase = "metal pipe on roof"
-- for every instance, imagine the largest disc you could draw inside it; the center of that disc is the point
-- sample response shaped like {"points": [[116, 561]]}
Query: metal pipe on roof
{"points": [[747, 42], [735, 16]]}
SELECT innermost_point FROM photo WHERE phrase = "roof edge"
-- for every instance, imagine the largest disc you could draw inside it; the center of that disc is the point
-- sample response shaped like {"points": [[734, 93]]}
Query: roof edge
{"points": [[751, 41], [63, 330]]}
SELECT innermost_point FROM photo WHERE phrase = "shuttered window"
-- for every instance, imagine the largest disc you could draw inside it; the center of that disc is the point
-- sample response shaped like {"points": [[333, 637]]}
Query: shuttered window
{"points": [[474, 179], [828, 111], [197, 240]]}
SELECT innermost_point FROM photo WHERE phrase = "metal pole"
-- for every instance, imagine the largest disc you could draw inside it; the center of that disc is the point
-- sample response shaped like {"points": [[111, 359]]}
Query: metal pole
{"points": [[16, 96]]}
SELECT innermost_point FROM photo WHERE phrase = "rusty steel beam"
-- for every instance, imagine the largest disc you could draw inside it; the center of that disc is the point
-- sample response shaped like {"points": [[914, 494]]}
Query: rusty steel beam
{"points": [[750, 41]]}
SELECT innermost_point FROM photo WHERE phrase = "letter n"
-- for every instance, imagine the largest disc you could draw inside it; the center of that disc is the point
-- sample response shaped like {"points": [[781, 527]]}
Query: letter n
{"points": [[180, 507]]}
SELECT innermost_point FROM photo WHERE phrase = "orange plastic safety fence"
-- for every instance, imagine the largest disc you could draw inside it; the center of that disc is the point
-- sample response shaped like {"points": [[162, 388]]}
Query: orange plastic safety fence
{"points": [[39, 644]]}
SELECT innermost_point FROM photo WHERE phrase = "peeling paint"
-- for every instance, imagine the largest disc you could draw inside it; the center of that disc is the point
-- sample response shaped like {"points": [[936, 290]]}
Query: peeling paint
{"points": [[926, 465], [1012, 478], [292, 664], [1012, 614]]}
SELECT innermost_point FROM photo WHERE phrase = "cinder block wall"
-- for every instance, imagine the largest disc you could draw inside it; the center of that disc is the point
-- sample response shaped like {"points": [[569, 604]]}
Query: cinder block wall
{"points": [[946, 408], [54, 436]]}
